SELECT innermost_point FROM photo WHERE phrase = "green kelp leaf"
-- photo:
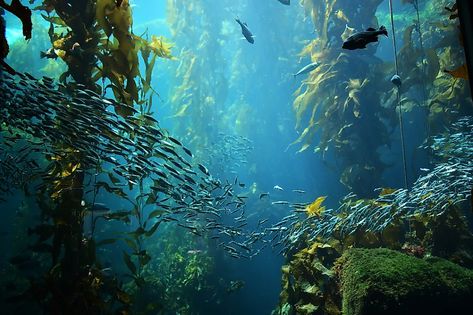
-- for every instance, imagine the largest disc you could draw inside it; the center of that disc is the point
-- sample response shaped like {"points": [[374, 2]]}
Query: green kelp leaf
{"points": [[317, 265], [137, 233], [107, 241], [132, 244], [140, 281], [156, 213], [123, 297], [122, 216], [113, 179], [432, 67], [152, 198], [143, 258], [307, 309], [153, 229], [131, 266], [310, 288]]}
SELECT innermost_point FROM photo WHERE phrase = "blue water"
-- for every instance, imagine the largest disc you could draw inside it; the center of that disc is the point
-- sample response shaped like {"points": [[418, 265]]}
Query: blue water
{"points": [[266, 86]]}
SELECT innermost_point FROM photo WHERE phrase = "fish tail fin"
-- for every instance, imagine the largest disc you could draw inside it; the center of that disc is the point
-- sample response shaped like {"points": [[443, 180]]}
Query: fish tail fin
{"points": [[42, 54], [383, 30]]}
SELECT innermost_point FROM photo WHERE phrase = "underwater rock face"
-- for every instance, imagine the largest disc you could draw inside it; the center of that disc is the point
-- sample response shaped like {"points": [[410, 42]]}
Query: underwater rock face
{"points": [[382, 281]]}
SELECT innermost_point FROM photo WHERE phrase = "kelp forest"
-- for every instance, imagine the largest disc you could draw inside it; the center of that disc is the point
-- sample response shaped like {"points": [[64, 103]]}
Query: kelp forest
{"points": [[235, 157]]}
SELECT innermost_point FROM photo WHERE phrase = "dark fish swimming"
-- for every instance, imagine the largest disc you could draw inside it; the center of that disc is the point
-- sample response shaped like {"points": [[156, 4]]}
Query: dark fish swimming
{"points": [[246, 31], [361, 39], [286, 2], [49, 54]]}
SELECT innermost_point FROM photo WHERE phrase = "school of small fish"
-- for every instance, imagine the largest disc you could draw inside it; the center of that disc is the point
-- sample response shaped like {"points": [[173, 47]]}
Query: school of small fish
{"points": [[448, 184], [228, 154], [185, 191], [44, 122]]}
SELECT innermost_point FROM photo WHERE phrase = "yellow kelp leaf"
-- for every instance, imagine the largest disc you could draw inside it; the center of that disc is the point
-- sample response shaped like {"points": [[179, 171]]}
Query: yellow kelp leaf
{"points": [[387, 191], [59, 43], [161, 47], [459, 73], [56, 194], [120, 17], [102, 9], [303, 148], [71, 168], [342, 16], [349, 31], [315, 208]]}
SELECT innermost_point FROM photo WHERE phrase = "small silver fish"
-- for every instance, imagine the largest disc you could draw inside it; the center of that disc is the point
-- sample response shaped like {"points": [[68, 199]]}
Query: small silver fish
{"points": [[306, 69]]}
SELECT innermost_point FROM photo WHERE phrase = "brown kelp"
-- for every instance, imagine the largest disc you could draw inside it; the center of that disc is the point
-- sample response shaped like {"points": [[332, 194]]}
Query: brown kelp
{"points": [[201, 86], [432, 63], [430, 219], [181, 276], [339, 100], [100, 46]]}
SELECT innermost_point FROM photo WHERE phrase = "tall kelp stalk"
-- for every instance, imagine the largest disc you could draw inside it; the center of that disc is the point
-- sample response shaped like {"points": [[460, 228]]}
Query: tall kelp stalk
{"points": [[94, 39], [200, 77], [338, 107]]}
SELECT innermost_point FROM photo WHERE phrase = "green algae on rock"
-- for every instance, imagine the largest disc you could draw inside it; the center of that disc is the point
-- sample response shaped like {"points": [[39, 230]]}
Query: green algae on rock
{"points": [[382, 281]]}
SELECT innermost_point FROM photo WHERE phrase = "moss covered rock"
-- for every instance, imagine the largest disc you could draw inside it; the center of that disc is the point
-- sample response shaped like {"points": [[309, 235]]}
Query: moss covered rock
{"points": [[382, 281]]}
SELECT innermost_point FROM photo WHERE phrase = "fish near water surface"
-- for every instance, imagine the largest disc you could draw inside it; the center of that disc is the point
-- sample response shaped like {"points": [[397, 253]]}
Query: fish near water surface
{"points": [[246, 31], [361, 39], [286, 2]]}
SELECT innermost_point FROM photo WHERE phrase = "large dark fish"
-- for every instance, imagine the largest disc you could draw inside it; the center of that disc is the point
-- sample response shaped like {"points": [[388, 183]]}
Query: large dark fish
{"points": [[246, 31], [361, 39], [286, 2]]}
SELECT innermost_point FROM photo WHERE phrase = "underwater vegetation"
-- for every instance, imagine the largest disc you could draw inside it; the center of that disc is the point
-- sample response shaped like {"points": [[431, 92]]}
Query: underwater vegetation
{"points": [[182, 276], [447, 185], [201, 86], [335, 122], [67, 149], [381, 281], [119, 215], [338, 119]]}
